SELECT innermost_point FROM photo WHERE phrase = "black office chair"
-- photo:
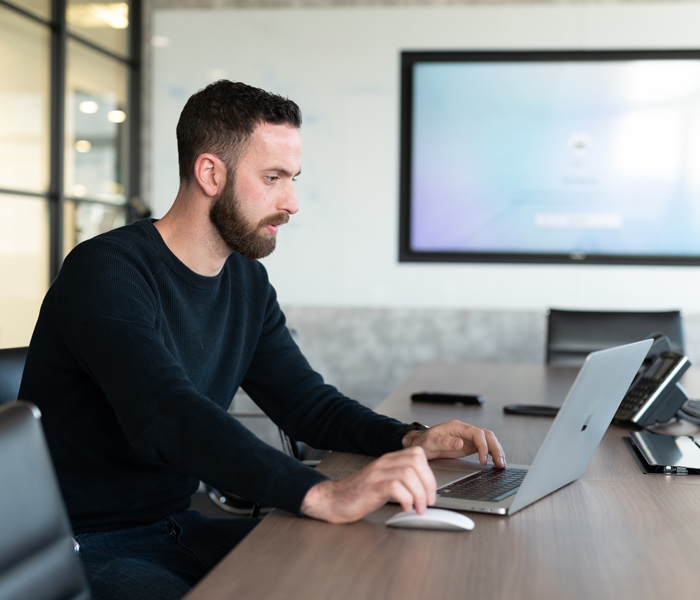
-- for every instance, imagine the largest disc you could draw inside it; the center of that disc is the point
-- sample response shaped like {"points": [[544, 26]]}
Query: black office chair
{"points": [[37, 553], [573, 334], [11, 367]]}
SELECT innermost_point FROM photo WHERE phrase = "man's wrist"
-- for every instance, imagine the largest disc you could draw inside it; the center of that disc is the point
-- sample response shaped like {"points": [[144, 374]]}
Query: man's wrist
{"points": [[407, 433]]}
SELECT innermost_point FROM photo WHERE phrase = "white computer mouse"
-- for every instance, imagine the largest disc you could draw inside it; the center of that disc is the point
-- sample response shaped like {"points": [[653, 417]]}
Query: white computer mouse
{"points": [[432, 518]]}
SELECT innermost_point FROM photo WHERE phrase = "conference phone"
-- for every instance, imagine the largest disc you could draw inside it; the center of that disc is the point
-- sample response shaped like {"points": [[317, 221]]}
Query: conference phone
{"points": [[655, 395]]}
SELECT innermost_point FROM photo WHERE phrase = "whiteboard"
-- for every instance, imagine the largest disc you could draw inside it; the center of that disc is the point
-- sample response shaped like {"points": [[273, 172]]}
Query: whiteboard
{"points": [[341, 65]]}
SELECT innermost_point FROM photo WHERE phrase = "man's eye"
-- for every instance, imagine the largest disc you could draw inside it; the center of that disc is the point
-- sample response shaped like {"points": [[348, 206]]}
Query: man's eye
{"points": [[271, 178]]}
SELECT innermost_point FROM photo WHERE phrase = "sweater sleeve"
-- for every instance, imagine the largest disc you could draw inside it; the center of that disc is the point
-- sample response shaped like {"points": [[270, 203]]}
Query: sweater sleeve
{"points": [[295, 396], [134, 362], [125, 420]]}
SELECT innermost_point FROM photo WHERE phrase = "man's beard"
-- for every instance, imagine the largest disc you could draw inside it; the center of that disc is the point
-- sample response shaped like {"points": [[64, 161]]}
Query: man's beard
{"points": [[238, 234]]}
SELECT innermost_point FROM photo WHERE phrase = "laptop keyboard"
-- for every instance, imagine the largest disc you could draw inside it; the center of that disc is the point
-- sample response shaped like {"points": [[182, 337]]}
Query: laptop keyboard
{"points": [[492, 485]]}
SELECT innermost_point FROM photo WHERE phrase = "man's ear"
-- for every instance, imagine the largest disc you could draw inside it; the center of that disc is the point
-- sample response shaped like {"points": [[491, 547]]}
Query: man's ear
{"points": [[210, 173]]}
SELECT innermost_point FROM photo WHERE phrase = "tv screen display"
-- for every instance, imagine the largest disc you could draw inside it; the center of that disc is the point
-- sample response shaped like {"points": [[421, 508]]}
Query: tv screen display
{"points": [[560, 157]]}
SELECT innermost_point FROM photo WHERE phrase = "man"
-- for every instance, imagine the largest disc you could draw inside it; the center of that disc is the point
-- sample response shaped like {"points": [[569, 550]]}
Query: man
{"points": [[147, 333]]}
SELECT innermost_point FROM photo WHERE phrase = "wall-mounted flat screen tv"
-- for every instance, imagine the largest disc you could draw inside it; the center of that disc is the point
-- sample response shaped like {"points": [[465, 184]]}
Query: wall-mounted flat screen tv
{"points": [[550, 157]]}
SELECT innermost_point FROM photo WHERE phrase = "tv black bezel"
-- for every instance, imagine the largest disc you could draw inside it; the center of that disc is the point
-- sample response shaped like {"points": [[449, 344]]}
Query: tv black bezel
{"points": [[409, 58]]}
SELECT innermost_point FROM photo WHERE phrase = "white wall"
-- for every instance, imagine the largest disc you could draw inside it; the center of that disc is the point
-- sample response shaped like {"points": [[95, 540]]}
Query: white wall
{"points": [[342, 66]]}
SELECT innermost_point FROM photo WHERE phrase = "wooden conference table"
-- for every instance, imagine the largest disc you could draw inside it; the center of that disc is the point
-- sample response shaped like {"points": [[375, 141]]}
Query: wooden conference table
{"points": [[615, 533]]}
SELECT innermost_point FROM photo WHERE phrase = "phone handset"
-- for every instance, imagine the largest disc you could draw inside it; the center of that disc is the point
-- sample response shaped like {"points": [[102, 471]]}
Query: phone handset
{"points": [[655, 395]]}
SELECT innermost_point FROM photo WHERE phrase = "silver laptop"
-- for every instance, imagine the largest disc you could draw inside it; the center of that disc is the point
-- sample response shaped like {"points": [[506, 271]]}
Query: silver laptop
{"points": [[567, 449]]}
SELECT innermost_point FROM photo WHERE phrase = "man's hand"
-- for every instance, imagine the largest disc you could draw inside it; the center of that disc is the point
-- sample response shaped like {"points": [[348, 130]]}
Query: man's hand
{"points": [[402, 476], [455, 440]]}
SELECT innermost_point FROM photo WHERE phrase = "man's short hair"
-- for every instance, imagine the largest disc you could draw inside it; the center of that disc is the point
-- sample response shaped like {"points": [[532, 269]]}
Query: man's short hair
{"points": [[221, 117]]}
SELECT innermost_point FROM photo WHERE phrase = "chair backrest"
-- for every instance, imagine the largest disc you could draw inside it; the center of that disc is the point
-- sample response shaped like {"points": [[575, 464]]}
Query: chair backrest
{"points": [[11, 368], [37, 558], [573, 334]]}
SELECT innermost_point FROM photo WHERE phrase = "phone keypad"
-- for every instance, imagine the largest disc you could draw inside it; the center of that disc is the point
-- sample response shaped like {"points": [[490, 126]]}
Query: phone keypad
{"points": [[635, 399]]}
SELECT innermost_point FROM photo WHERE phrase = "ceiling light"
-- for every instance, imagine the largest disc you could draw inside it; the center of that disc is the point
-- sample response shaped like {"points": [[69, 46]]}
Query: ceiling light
{"points": [[82, 146], [116, 116], [88, 107], [99, 15]]}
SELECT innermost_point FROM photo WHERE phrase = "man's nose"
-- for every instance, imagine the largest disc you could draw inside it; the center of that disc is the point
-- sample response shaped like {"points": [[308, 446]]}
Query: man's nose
{"points": [[289, 203]]}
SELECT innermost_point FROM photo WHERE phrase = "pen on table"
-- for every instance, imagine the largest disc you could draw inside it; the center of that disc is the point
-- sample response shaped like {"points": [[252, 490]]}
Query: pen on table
{"points": [[447, 398]]}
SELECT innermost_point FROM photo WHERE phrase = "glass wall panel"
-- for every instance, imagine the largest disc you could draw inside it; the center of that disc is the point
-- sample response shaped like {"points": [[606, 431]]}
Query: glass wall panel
{"points": [[44, 215], [95, 126], [83, 220], [102, 23], [24, 266], [41, 8], [24, 103]]}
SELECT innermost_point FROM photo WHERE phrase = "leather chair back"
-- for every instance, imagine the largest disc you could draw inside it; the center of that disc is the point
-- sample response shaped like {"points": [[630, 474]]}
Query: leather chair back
{"points": [[11, 368], [573, 334], [37, 556]]}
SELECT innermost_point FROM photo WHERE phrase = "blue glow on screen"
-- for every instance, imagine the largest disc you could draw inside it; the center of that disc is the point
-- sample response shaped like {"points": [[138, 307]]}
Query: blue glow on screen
{"points": [[599, 157]]}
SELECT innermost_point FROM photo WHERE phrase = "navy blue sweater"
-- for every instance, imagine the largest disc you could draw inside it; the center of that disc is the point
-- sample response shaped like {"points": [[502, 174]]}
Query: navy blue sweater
{"points": [[134, 361]]}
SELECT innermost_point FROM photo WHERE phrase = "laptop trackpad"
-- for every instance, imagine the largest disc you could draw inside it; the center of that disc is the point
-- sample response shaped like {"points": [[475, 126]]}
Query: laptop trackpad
{"points": [[448, 470]]}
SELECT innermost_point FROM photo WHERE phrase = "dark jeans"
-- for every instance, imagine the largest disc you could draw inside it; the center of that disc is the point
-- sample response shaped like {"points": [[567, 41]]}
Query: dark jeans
{"points": [[161, 561]]}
